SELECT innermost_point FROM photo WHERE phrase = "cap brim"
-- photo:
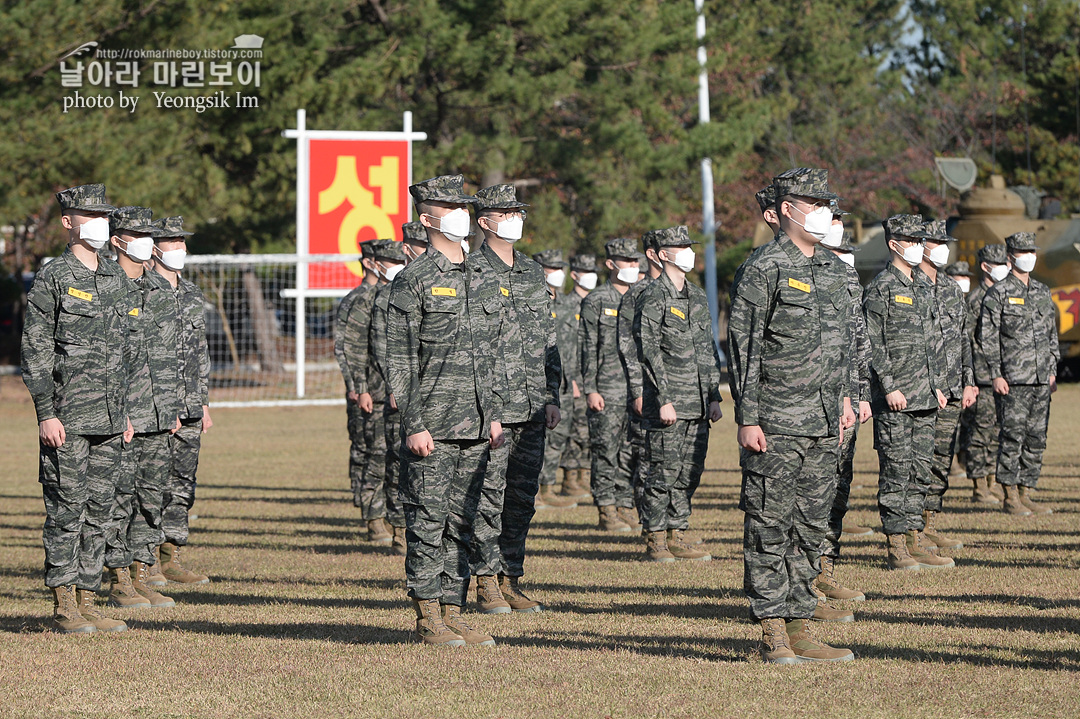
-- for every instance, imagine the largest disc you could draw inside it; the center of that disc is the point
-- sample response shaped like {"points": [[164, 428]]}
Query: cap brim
{"points": [[453, 199], [502, 206], [172, 234], [93, 208]]}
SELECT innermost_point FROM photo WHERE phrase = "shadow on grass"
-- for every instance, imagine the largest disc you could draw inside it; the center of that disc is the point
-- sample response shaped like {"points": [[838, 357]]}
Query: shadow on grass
{"points": [[260, 488], [977, 655], [660, 646], [252, 600]]}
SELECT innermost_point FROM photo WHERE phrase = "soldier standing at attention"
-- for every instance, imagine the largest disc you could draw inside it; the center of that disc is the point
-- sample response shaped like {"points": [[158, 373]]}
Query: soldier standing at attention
{"points": [[367, 456], [979, 425], [193, 370], [146, 461], [576, 459], [439, 354], [960, 389], [604, 385], [789, 340], [906, 379], [525, 383], [672, 335], [73, 364], [1019, 337]]}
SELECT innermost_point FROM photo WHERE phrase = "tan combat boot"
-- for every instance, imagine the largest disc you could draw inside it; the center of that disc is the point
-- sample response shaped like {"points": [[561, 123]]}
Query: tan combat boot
{"points": [[547, 499], [854, 530], [1013, 505], [775, 647], [574, 487], [456, 623], [156, 599], [692, 539], [66, 617], [922, 551], [656, 547], [517, 599], [123, 593], [824, 613], [430, 627], [609, 520], [935, 537], [981, 493], [808, 648], [830, 586], [156, 578], [377, 532], [398, 548], [629, 517], [93, 614], [488, 596], [681, 550], [1027, 501], [174, 571], [899, 558], [998, 490]]}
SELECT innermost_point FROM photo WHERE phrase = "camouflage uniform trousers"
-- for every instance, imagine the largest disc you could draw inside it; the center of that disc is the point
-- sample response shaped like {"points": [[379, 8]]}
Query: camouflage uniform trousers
{"points": [[944, 446], [576, 455], [145, 466], [786, 495], [842, 499], [905, 445], [78, 484], [440, 494], [611, 456], [395, 514], [357, 449], [180, 489], [557, 443], [372, 491], [979, 434], [1023, 414], [674, 459], [635, 433], [507, 502]]}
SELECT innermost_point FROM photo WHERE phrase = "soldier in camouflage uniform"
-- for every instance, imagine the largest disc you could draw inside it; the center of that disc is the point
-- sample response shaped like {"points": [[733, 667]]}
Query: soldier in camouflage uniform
{"points": [[439, 344], [789, 340], [563, 310], [680, 371], [73, 364], [193, 370], [979, 425], [906, 382], [1019, 337], [526, 388], [146, 462], [576, 462], [960, 389], [605, 387], [961, 275]]}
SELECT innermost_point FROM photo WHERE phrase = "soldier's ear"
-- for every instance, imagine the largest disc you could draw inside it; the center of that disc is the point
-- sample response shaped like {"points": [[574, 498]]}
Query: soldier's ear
{"points": [[610, 265], [425, 219], [65, 220]]}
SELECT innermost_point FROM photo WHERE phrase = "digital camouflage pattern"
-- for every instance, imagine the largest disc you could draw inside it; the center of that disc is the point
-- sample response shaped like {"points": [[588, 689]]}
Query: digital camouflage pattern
{"points": [[974, 300], [88, 198], [131, 220], [179, 495], [563, 310], [414, 232], [952, 314], [804, 182], [905, 445], [135, 532], [550, 258], [766, 197], [945, 423], [909, 226], [352, 330], [1018, 331], [624, 329], [498, 197], [170, 228], [584, 262], [193, 353], [993, 254], [152, 401], [958, 269], [622, 247], [445, 188], [577, 453], [978, 423], [1021, 242], [1023, 418], [395, 515]]}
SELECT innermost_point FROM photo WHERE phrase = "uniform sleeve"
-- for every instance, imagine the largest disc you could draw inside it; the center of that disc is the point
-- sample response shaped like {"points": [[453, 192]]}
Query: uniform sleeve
{"points": [[967, 359], [1052, 336], [862, 355], [708, 347], [648, 326], [746, 332], [378, 339], [357, 330], [628, 348], [588, 338], [990, 332], [340, 324], [204, 356], [875, 312], [38, 347], [402, 355], [553, 370]]}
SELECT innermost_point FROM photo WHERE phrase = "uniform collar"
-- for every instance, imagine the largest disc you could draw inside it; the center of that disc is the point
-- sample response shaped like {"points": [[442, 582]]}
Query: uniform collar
{"points": [[795, 255], [891, 268], [497, 263], [443, 262]]}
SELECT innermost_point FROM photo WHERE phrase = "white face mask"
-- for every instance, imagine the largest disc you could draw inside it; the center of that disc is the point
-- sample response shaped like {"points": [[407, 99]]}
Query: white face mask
{"points": [[684, 259], [939, 256], [95, 232], [587, 281], [1024, 262], [140, 249], [818, 221], [965, 284], [912, 255], [847, 258], [509, 230], [465, 246], [392, 271], [835, 238], [556, 278], [454, 224], [999, 272], [629, 275], [174, 259]]}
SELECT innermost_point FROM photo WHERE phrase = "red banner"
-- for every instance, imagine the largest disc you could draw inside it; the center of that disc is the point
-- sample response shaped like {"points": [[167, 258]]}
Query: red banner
{"points": [[358, 191]]}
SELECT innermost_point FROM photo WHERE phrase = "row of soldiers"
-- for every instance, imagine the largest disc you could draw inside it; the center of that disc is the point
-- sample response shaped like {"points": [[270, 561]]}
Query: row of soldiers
{"points": [[114, 355], [461, 370], [813, 355]]}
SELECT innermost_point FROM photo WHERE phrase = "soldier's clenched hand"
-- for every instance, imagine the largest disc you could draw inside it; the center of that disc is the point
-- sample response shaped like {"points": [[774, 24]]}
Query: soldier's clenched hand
{"points": [[752, 438], [1001, 386], [865, 413], [896, 400], [971, 393], [51, 433], [552, 415], [365, 403], [129, 432], [421, 443], [715, 413], [941, 400], [595, 401], [667, 414], [637, 404], [498, 439]]}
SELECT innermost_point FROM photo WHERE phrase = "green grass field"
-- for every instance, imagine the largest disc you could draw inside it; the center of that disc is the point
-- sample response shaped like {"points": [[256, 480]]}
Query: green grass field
{"points": [[304, 618]]}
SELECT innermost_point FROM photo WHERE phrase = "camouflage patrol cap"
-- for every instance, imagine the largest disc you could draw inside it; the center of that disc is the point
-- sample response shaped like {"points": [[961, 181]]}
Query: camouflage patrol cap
{"points": [[388, 250], [671, 237], [935, 230], [585, 262], [909, 226], [414, 233], [89, 198], [445, 188], [131, 219], [621, 247], [550, 258], [958, 269], [993, 254], [766, 197], [367, 249], [804, 182], [498, 197], [835, 207], [170, 228], [1021, 242]]}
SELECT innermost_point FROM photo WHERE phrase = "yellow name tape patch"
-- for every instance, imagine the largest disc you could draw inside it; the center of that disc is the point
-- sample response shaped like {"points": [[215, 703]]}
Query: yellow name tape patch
{"points": [[134, 312], [900, 299], [798, 285], [443, 292], [506, 292], [80, 294], [552, 315], [678, 313], [1016, 300], [577, 317], [610, 312]]}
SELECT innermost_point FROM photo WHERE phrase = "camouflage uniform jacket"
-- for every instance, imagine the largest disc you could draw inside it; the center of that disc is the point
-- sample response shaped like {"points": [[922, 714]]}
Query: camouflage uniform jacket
{"points": [[790, 341], [377, 338], [566, 311], [628, 349], [352, 332], [74, 345], [439, 349], [672, 335], [862, 352], [905, 339], [978, 359], [152, 379], [601, 368], [952, 314], [528, 369], [193, 355], [1019, 331]]}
